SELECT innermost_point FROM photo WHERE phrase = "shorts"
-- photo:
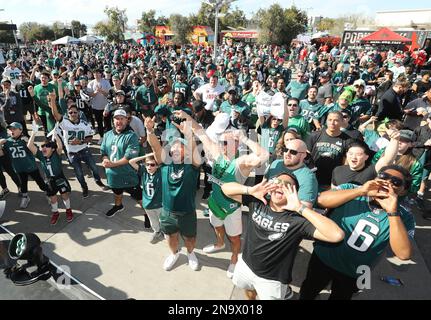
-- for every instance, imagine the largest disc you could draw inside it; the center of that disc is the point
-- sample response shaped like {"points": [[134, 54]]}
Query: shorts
{"points": [[171, 223], [232, 223], [266, 289], [57, 185], [135, 192]]}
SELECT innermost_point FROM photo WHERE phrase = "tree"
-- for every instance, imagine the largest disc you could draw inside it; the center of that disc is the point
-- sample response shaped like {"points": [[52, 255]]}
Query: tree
{"points": [[181, 27], [235, 19], [148, 21], [78, 29], [206, 17], [32, 31], [326, 24], [280, 26], [6, 36], [115, 26]]}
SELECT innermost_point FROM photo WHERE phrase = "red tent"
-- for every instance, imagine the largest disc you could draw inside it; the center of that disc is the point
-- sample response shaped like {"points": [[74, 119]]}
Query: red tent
{"points": [[385, 36]]}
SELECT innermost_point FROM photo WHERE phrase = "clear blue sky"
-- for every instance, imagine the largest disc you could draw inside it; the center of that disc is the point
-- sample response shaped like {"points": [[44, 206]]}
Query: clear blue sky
{"points": [[91, 11]]}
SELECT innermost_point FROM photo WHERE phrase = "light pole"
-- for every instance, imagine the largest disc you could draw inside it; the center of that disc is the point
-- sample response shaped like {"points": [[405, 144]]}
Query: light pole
{"points": [[217, 5]]}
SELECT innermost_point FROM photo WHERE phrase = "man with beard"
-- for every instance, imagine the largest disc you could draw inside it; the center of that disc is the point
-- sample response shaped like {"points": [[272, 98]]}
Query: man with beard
{"points": [[371, 216], [294, 155], [310, 108], [119, 145], [275, 230], [327, 148]]}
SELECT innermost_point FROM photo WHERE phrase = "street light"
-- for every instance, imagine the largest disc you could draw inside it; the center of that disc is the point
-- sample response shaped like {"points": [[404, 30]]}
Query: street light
{"points": [[217, 5]]}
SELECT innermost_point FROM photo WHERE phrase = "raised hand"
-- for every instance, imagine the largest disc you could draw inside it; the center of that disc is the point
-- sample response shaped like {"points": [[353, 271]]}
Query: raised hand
{"points": [[389, 203], [260, 190], [150, 123], [293, 202], [34, 126]]}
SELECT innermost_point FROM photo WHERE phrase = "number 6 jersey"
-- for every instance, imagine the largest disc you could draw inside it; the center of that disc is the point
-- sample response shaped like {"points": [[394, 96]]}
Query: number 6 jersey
{"points": [[367, 234]]}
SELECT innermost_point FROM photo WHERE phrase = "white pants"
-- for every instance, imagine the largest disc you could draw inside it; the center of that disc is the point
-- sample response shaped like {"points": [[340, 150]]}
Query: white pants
{"points": [[232, 223], [245, 278], [154, 216]]}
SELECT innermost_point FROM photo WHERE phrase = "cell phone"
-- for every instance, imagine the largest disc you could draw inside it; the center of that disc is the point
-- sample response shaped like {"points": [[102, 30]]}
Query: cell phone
{"points": [[392, 281]]}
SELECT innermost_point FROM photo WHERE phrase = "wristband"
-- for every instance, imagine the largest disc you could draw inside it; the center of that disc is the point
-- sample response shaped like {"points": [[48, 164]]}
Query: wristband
{"points": [[301, 209], [246, 191], [394, 214]]}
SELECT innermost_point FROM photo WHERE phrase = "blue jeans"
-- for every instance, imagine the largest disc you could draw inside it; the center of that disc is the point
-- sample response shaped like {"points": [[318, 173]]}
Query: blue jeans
{"points": [[85, 156]]}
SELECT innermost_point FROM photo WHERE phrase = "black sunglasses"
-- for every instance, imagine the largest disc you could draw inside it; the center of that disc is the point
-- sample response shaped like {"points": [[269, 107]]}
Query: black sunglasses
{"points": [[292, 152], [397, 182], [223, 142], [150, 164], [72, 112]]}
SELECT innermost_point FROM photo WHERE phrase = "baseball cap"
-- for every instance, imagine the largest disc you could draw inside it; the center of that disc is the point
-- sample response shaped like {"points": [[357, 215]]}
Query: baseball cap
{"points": [[120, 92], [6, 80], [76, 83], [359, 82], [120, 112], [407, 135], [346, 111], [198, 105], [115, 77], [15, 125], [55, 72], [253, 73], [324, 74], [147, 75]]}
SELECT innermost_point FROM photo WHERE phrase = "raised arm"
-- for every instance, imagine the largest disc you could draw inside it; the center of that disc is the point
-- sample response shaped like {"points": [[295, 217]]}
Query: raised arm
{"points": [[235, 191], [210, 147], [363, 126], [152, 140], [258, 157], [53, 105], [334, 198], [391, 151], [30, 144], [134, 162], [326, 229]]}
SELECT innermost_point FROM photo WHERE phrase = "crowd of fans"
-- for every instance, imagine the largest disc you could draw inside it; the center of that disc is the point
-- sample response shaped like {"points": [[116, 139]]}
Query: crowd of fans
{"points": [[330, 145]]}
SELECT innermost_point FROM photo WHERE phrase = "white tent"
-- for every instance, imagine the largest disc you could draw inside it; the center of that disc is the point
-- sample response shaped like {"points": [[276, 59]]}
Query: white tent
{"points": [[90, 39], [66, 40]]}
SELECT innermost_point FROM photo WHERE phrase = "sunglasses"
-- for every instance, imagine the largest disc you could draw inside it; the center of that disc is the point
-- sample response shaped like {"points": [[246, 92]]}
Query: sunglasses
{"points": [[223, 142], [280, 182], [345, 116], [45, 146], [72, 112], [292, 152], [397, 182], [150, 164]]}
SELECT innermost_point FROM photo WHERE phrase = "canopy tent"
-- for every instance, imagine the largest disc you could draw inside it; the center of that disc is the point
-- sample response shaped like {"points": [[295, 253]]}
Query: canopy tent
{"points": [[90, 39], [385, 36], [66, 40]]}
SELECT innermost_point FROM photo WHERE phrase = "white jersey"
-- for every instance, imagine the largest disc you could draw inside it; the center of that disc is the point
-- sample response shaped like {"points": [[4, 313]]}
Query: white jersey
{"points": [[12, 75], [70, 131], [209, 94]]}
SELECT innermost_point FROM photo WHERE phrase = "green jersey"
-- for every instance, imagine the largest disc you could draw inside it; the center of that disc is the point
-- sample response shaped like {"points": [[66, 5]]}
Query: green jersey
{"points": [[223, 171], [182, 88], [41, 97], [151, 188], [298, 122], [297, 89], [51, 166], [117, 146], [146, 95], [366, 234], [22, 159], [226, 107], [270, 136], [310, 110], [179, 188]]}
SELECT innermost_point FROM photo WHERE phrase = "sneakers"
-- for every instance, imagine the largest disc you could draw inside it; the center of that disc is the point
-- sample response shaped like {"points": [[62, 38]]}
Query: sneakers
{"points": [[230, 270], [24, 202], [206, 194], [54, 218], [156, 237], [170, 261], [4, 193], [289, 293], [114, 210], [69, 215], [211, 248], [85, 193], [102, 185], [193, 261]]}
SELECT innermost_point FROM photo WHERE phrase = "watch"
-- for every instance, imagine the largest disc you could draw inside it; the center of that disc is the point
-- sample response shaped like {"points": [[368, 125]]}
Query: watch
{"points": [[301, 209], [395, 214]]}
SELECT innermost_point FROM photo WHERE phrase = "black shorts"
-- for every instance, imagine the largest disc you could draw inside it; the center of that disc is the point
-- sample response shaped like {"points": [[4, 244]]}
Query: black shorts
{"points": [[57, 184], [135, 192]]}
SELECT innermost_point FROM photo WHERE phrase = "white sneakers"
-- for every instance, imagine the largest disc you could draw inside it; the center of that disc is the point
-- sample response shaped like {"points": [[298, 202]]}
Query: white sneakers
{"points": [[211, 248], [170, 261], [24, 202], [230, 270], [193, 261]]}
